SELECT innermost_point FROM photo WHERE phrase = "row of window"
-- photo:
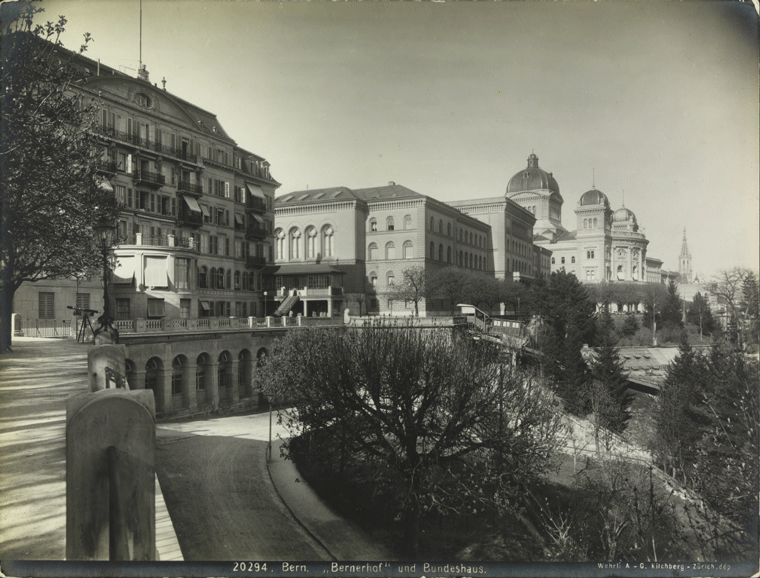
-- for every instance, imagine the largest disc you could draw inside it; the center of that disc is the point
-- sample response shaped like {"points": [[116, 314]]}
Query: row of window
{"points": [[157, 308], [220, 279], [308, 245], [589, 223], [589, 255]]}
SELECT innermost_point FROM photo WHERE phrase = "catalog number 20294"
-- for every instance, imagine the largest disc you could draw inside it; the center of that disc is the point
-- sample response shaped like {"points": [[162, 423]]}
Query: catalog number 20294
{"points": [[249, 567]]}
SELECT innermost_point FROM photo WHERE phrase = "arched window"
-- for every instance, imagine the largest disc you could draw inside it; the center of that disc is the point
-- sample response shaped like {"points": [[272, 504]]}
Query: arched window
{"points": [[237, 280], [244, 373], [440, 252], [553, 262], [153, 374], [295, 236], [470, 237], [228, 279], [440, 226], [460, 259], [448, 229], [203, 277], [408, 250], [178, 372], [585, 223], [595, 223], [225, 369], [432, 251], [562, 261], [373, 225], [220, 308], [280, 243], [471, 261], [201, 368], [245, 281], [390, 250], [390, 278], [431, 223], [572, 259], [328, 235], [311, 243], [373, 279], [212, 278], [372, 252], [389, 223], [448, 254], [220, 278], [407, 222]]}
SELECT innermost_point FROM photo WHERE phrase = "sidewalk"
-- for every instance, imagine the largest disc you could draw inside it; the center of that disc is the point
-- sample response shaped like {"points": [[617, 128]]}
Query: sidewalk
{"points": [[35, 381]]}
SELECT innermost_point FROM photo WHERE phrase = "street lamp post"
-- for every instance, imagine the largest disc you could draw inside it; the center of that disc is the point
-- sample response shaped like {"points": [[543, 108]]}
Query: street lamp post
{"points": [[105, 233], [265, 303]]}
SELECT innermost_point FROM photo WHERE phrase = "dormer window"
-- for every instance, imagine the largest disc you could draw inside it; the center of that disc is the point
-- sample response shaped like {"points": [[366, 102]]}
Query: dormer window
{"points": [[143, 100]]}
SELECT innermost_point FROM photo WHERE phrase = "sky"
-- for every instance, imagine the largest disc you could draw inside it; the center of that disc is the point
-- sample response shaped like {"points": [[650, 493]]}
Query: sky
{"points": [[654, 103]]}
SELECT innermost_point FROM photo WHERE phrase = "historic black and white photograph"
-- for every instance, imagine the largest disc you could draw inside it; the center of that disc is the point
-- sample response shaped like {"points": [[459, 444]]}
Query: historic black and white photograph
{"points": [[379, 288]]}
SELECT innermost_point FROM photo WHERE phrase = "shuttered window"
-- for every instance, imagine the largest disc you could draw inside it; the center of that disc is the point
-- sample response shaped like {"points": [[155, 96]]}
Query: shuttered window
{"points": [[47, 305]]}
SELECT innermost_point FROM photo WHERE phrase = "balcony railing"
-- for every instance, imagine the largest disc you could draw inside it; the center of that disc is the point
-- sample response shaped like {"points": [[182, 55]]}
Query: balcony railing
{"points": [[186, 187], [165, 325], [145, 143], [148, 178], [253, 232], [161, 241], [106, 166], [256, 204], [187, 218], [255, 261]]}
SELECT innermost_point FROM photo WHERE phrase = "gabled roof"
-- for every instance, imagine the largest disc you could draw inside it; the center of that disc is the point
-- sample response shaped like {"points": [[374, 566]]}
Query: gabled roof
{"points": [[316, 196], [566, 236], [390, 192]]}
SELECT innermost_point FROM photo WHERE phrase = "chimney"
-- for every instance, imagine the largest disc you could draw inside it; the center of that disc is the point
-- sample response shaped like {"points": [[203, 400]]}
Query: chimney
{"points": [[142, 73], [391, 183]]}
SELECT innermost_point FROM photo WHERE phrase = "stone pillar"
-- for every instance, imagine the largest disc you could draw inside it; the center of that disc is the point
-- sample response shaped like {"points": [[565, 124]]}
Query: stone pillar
{"points": [[110, 476], [166, 390], [138, 239], [188, 390], [213, 386], [139, 378], [305, 308], [329, 306], [235, 387]]}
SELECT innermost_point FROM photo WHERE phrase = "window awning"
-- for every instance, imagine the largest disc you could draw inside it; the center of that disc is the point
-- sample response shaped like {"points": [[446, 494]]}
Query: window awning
{"points": [[192, 203], [259, 219], [238, 219], [255, 190], [155, 272], [124, 271], [205, 306], [204, 210]]}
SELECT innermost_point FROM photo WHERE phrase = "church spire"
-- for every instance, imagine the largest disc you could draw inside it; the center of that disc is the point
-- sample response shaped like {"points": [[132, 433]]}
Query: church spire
{"points": [[684, 262]]}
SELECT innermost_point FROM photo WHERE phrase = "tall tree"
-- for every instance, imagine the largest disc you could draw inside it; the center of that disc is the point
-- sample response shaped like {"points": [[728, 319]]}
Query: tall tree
{"points": [[672, 307], [728, 287], [411, 286], [447, 418], [607, 370], [51, 193], [568, 315], [653, 296], [699, 313], [751, 294]]}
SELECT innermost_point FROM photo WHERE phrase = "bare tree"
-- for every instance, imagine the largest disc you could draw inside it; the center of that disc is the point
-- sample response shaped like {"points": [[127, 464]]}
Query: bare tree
{"points": [[457, 427], [728, 287], [411, 287]]}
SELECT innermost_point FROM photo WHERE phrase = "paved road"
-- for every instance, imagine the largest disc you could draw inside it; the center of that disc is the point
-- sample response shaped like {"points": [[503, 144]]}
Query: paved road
{"points": [[35, 381], [221, 499]]}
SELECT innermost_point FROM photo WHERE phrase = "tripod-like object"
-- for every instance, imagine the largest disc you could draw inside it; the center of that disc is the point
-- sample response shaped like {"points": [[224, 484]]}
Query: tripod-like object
{"points": [[83, 327]]}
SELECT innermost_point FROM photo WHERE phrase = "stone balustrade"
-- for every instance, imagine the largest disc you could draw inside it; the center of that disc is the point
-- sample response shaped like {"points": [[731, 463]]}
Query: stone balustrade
{"points": [[167, 325]]}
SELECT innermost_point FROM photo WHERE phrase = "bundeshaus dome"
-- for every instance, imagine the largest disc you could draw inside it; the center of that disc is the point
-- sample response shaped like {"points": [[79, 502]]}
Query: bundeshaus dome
{"points": [[622, 215], [594, 197], [532, 178]]}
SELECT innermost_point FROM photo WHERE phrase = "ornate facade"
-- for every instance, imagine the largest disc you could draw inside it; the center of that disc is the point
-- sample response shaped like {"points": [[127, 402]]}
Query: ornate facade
{"points": [[605, 245]]}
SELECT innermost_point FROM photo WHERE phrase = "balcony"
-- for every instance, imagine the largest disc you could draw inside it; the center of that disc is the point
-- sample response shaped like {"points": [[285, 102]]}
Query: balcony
{"points": [[142, 142], [188, 218], [106, 167], [256, 204], [253, 232], [148, 178], [188, 188], [255, 262], [169, 241]]}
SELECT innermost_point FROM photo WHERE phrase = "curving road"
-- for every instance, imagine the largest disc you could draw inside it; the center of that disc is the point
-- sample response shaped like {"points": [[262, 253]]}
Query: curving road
{"points": [[219, 494]]}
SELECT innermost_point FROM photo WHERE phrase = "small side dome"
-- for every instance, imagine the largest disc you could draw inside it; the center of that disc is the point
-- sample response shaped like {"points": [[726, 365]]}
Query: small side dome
{"points": [[594, 197], [622, 215]]}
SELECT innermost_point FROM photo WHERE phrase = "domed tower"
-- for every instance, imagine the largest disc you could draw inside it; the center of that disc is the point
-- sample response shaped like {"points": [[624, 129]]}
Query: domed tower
{"points": [[629, 247], [684, 262], [536, 190], [594, 218]]}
